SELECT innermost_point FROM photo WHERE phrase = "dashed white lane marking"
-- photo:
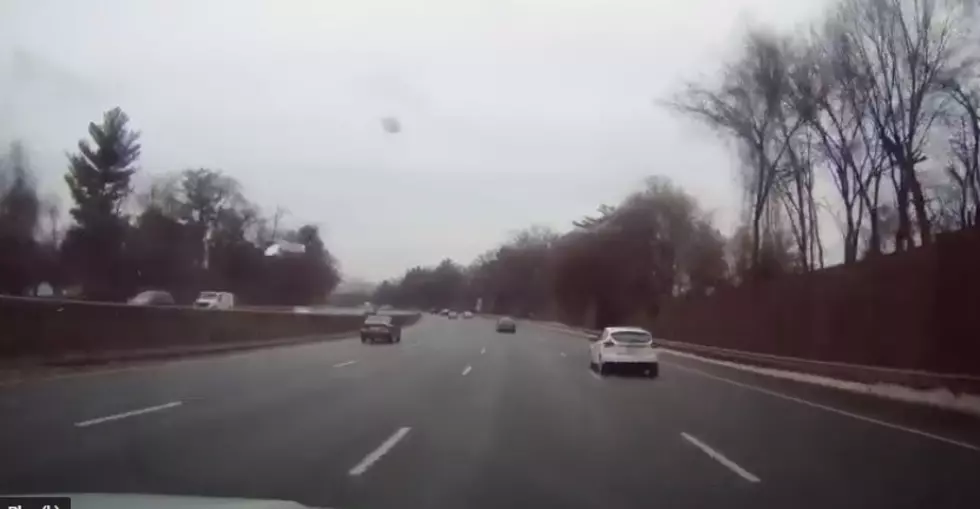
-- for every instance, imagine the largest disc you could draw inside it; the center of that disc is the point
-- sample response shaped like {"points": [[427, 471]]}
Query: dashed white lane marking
{"points": [[720, 458], [131, 413], [467, 370], [382, 449], [563, 354], [342, 364], [827, 408], [483, 350]]}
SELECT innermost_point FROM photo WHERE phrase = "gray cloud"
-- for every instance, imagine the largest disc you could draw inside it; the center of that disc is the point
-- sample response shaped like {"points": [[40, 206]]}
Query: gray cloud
{"points": [[513, 113]]}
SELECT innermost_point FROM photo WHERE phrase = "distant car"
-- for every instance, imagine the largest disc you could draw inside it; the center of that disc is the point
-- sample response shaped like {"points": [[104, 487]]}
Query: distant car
{"points": [[453, 315], [506, 324], [467, 314], [215, 300], [152, 298], [625, 347], [380, 327], [444, 312]]}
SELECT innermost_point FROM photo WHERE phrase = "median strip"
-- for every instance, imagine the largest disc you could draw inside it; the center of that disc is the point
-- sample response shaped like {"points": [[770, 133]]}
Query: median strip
{"points": [[124, 415], [382, 449], [720, 458]]}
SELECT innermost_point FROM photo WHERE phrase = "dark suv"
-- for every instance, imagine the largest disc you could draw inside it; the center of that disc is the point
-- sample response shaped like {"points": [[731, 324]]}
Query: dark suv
{"points": [[380, 327]]}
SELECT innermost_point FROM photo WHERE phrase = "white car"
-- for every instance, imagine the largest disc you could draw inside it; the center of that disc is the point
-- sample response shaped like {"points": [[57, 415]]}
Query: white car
{"points": [[467, 314], [452, 315], [215, 300], [626, 347]]}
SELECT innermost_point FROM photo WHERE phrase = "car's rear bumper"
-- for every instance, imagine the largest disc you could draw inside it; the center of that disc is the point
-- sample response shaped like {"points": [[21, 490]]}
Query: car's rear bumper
{"points": [[387, 336], [507, 329], [649, 358]]}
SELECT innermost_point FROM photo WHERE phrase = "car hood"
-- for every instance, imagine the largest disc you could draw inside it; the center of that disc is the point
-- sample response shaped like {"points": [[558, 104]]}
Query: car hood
{"points": [[139, 501]]}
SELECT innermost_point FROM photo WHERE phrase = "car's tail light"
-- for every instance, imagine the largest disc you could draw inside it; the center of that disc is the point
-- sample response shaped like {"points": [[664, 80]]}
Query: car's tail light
{"points": [[608, 343]]}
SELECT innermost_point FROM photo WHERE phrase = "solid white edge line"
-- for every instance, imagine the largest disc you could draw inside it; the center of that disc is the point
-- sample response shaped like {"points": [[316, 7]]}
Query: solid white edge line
{"points": [[342, 364], [467, 369], [483, 350], [963, 403], [382, 449], [720, 458], [859, 417], [124, 415]]}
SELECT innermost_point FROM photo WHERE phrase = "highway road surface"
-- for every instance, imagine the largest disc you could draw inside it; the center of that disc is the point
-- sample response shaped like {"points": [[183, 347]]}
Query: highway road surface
{"points": [[460, 417]]}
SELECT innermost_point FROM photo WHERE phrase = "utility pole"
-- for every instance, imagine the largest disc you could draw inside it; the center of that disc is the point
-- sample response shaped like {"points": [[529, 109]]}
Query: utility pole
{"points": [[280, 211]]}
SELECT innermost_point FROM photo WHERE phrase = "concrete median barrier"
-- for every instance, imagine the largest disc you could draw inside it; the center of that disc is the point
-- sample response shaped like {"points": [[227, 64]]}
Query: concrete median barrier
{"points": [[44, 329]]}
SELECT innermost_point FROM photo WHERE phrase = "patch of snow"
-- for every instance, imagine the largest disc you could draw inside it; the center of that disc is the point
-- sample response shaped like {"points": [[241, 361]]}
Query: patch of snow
{"points": [[939, 397]]}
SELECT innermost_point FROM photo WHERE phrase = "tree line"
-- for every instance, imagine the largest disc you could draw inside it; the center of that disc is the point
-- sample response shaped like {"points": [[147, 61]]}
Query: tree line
{"points": [[620, 262], [191, 230], [877, 103], [869, 120]]}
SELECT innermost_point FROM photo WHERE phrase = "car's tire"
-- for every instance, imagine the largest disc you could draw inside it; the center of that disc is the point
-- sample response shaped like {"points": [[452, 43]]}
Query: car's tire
{"points": [[602, 369], [363, 339], [653, 371]]}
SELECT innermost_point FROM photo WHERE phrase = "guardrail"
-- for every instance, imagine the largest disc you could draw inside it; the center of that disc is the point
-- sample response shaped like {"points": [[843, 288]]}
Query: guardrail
{"points": [[916, 379]]}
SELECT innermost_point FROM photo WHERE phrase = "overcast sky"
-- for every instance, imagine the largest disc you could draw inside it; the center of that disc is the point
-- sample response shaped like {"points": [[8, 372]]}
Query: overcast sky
{"points": [[514, 112]]}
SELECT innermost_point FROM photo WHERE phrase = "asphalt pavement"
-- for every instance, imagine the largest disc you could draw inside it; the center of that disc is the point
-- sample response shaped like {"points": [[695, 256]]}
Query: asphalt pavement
{"points": [[457, 416]]}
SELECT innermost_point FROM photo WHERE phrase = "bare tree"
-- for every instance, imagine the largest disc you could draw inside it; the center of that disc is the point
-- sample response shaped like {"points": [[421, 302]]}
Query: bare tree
{"points": [[826, 97], [903, 49], [51, 212], [963, 170], [749, 106], [164, 195]]}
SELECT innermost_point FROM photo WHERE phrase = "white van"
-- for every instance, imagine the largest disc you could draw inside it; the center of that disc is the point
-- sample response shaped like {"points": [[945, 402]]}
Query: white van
{"points": [[215, 300]]}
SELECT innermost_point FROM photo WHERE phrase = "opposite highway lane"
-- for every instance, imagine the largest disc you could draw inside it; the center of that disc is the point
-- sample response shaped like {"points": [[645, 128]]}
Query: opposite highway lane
{"points": [[457, 416]]}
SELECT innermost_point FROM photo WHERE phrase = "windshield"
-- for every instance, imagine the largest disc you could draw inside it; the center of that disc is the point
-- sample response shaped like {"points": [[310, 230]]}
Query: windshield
{"points": [[631, 337], [143, 298], [742, 238]]}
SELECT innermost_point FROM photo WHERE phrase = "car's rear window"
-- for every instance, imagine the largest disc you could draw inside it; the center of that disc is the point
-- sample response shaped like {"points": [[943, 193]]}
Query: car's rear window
{"points": [[378, 320], [632, 337], [208, 295]]}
